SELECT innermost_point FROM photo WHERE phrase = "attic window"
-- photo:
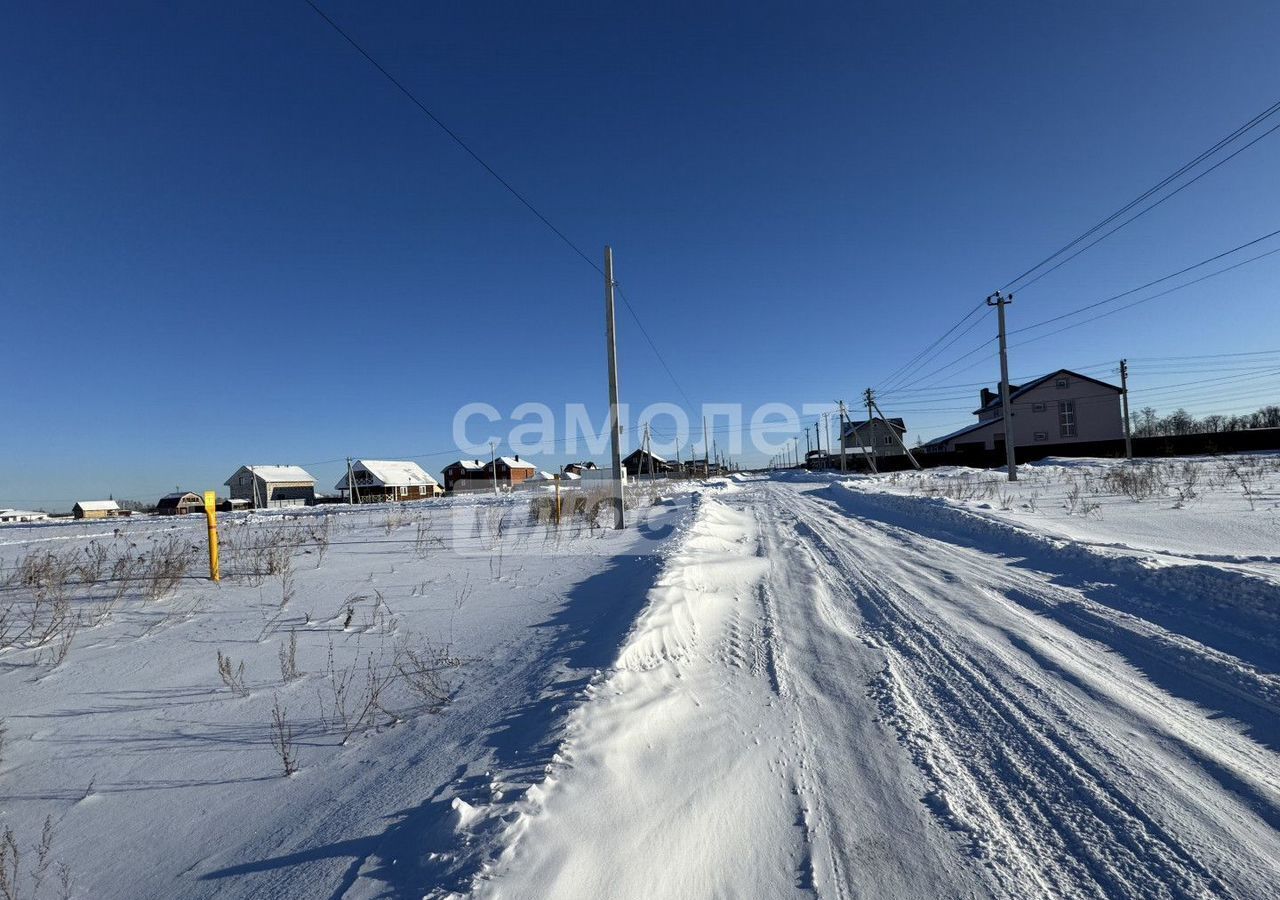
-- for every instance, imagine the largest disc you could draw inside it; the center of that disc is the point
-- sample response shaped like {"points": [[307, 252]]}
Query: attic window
{"points": [[1039, 407], [1061, 382]]}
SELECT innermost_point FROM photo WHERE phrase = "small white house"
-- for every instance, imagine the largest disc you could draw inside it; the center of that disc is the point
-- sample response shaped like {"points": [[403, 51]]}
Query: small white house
{"points": [[267, 487], [97, 509], [386, 480], [22, 515]]}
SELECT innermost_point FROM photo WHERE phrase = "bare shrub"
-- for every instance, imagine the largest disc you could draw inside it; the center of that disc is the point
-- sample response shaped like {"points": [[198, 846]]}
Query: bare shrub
{"points": [[166, 566], [282, 739], [288, 656], [13, 884], [287, 586], [232, 675], [319, 534], [4, 730], [1137, 482]]}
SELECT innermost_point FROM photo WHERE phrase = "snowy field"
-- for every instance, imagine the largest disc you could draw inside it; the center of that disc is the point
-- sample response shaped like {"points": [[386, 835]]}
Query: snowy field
{"points": [[904, 686]]}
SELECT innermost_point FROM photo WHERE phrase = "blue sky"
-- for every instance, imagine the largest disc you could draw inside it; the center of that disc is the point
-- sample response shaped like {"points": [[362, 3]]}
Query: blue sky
{"points": [[227, 239]]}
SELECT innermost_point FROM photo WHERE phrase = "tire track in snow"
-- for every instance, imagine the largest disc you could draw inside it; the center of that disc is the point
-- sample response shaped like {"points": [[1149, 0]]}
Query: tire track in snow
{"points": [[1008, 765]]}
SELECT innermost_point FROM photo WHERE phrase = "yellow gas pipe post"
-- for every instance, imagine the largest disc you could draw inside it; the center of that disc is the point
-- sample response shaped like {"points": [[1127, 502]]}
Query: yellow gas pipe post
{"points": [[211, 514], [557, 501]]}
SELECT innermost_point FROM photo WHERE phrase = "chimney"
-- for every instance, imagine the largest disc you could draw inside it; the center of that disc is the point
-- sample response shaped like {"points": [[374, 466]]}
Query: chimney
{"points": [[517, 457], [987, 396]]}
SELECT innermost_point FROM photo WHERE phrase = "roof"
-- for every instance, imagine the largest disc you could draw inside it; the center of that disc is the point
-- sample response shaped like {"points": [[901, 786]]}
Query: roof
{"points": [[97, 505], [390, 473], [473, 465], [178, 496], [896, 422], [543, 476], [989, 423], [1016, 391], [637, 453], [276, 474], [22, 513], [514, 463]]}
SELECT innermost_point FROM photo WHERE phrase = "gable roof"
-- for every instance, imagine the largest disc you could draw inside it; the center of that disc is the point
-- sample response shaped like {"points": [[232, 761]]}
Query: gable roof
{"points": [[636, 454], [896, 422], [276, 474], [470, 465], [1016, 391], [989, 423], [390, 473], [513, 463], [98, 505]]}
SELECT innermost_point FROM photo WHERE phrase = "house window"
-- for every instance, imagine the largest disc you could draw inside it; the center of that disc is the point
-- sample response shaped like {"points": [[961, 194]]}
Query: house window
{"points": [[1037, 407], [887, 441], [1061, 382], [1067, 418], [1042, 435]]}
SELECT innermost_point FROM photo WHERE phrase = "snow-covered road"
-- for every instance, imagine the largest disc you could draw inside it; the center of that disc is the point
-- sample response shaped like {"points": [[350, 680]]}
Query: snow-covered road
{"points": [[846, 695]]}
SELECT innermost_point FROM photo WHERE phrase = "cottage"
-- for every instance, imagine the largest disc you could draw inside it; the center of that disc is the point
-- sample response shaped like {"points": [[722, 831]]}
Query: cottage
{"points": [[642, 462], [465, 475], [1061, 408], [22, 515], [877, 436], [383, 481], [267, 487], [577, 468], [511, 470], [98, 509], [180, 503]]}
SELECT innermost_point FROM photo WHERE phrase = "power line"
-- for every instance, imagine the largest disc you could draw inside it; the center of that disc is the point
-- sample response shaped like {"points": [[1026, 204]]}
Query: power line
{"points": [[1153, 283], [1167, 180], [453, 135]]}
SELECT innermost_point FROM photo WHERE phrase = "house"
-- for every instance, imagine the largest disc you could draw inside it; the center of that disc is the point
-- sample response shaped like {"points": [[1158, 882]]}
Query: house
{"points": [[98, 509], [641, 462], [577, 468], [878, 436], [180, 503], [384, 480], [511, 470], [22, 515], [465, 475], [1061, 408], [267, 487]]}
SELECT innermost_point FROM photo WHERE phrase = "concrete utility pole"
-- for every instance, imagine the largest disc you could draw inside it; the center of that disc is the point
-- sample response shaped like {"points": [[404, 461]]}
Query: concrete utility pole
{"points": [[843, 465], [1124, 397], [871, 433], [1000, 301], [826, 427], [706, 450], [615, 427], [493, 463], [351, 484]]}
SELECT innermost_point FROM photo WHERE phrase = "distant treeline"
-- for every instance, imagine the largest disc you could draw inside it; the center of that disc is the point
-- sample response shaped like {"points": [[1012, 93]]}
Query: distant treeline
{"points": [[1148, 423]]}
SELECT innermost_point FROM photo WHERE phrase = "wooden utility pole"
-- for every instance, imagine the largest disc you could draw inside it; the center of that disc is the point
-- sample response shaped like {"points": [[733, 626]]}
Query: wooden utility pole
{"points": [[1124, 397], [893, 431], [1000, 301], [615, 427]]}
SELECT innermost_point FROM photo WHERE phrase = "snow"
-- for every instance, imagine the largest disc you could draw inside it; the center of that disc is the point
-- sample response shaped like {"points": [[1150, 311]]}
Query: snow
{"points": [[900, 686], [278, 474], [98, 505], [390, 473]]}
